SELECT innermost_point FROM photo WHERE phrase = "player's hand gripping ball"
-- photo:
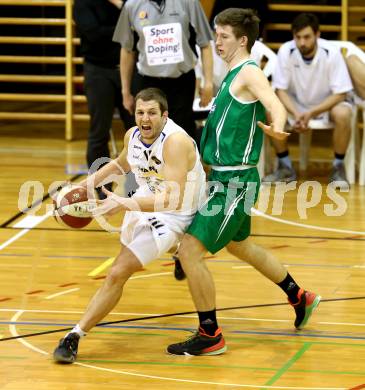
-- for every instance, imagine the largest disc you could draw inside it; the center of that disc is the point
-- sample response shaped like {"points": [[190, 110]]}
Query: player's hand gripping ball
{"points": [[72, 207]]}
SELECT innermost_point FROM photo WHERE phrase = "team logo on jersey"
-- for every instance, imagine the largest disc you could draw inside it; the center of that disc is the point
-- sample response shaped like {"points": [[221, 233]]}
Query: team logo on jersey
{"points": [[152, 178], [147, 153], [150, 172], [156, 160]]}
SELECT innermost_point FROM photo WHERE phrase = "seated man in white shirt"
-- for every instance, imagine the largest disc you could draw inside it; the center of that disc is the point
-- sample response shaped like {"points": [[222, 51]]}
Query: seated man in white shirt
{"points": [[311, 80]]}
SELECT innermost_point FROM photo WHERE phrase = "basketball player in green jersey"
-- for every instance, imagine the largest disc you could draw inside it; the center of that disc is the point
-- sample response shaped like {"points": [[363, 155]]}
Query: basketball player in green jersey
{"points": [[231, 144]]}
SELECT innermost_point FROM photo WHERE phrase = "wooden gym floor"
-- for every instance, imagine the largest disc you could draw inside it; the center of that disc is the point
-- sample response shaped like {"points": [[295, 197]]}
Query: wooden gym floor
{"points": [[49, 273]]}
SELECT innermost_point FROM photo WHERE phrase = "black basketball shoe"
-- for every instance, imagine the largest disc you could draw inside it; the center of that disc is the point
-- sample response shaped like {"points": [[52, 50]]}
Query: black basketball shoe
{"points": [[200, 344], [304, 308], [66, 351], [178, 271]]}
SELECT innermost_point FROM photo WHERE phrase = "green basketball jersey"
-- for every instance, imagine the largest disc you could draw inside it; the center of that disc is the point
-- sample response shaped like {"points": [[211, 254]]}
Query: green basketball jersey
{"points": [[231, 135]]}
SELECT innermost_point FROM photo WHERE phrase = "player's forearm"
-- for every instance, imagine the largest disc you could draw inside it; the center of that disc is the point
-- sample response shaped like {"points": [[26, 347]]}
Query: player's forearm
{"points": [[127, 61], [101, 175], [279, 117], [163, 201], [207, 64], [327, 104], [277, 112], [170, 198], [287, 101]]}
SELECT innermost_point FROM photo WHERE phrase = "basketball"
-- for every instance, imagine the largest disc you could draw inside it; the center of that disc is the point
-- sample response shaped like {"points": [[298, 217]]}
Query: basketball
{"points": [[72, 207]]}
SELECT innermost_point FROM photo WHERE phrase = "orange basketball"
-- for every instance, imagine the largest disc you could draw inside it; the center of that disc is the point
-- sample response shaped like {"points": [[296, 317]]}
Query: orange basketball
{"points": [[72, 207]]}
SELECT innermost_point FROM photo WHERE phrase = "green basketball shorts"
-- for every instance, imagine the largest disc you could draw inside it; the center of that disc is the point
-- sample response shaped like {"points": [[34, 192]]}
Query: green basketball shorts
{"points": [[226, 214]]}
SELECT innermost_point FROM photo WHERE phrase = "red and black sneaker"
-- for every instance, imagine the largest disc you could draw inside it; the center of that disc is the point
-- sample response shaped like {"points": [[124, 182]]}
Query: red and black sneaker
{"points": [[200, 344], [304, 308]]}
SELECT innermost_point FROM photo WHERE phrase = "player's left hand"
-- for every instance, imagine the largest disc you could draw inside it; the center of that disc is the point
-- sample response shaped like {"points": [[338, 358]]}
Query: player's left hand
{"points": [[109, 206], [305, 117], [272, 132]]}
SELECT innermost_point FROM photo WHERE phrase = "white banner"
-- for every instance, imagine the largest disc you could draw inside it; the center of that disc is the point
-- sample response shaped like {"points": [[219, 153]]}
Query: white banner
{"points": [[163, 44]]}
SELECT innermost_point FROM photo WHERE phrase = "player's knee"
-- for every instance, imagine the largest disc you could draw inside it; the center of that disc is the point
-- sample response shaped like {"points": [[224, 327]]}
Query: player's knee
{"points": [[341, 115], [120, 273], [190, 249]]}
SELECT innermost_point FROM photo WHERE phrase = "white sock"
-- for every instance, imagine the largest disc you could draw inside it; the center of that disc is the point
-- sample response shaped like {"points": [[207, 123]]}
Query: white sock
{"points": [[78, 330]]}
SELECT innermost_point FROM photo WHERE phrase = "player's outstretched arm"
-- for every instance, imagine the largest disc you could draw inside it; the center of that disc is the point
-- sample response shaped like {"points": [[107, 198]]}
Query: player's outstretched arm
{"points": [[257, 83]]}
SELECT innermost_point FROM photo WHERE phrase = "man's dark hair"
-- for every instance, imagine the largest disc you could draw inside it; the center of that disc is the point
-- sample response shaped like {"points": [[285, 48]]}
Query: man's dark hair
{"points": [[244, 22], [305, 20], [154, 94]]}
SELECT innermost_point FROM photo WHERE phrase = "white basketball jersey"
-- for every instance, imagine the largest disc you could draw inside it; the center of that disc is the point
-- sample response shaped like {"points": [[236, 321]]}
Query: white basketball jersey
{"points": [[309, 83], [147, 164]]}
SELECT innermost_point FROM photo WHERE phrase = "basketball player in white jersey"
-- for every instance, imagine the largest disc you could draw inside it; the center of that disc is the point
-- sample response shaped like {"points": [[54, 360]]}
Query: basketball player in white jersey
{"points": [[167, 166]]}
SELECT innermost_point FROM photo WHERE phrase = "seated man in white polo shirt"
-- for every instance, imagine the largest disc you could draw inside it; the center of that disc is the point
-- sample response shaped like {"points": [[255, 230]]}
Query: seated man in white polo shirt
{"points": [[311, 80]]}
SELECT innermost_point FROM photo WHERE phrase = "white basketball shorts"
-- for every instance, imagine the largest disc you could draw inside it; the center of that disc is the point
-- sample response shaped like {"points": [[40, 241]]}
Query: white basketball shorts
{"points": [[150, 235]]}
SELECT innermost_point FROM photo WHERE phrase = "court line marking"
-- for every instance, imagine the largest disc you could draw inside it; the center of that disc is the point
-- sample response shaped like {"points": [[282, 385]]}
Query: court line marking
{"points": [[181, 316], [14, 238], [101, 267], [303, 225], [119, 321], [206, 382], [283, 369], [109, 261], [299, 335], [62, 293], [174, 327], [307, 265], [46, 152], [213, 366], [150, 275], [133, 277], [29, 221], [340, 323], [13, 331]]}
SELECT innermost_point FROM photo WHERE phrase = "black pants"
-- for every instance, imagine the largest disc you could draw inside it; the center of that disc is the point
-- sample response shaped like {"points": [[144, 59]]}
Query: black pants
{"points": [[103, 93], [180, 96]]}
